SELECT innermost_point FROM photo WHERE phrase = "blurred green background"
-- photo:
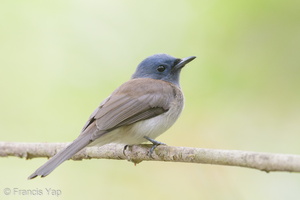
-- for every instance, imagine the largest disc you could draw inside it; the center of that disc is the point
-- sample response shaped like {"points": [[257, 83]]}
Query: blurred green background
{"points": [[60, 59]]}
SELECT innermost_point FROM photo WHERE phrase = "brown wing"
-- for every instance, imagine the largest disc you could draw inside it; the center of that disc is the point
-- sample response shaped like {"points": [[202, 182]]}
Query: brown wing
{"points": [[135, 100]]}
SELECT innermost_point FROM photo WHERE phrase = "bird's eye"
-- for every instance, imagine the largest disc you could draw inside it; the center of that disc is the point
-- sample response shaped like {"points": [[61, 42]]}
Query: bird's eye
{"points": [[161, 68]]}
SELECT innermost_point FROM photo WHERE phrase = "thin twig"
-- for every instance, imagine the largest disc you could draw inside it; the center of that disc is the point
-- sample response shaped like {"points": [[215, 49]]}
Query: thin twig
{"points": [[138, 153]]}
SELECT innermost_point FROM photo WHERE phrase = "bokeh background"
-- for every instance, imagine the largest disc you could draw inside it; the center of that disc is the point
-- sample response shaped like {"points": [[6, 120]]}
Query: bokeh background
{"points": [[60, 59]]}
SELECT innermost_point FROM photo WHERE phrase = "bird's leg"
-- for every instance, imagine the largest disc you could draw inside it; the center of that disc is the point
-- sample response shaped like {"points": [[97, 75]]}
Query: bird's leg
{"points": [[155, 144]]}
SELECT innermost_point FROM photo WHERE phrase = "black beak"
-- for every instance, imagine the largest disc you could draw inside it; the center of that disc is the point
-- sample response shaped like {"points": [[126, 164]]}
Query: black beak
{"points": [[183, 62]]}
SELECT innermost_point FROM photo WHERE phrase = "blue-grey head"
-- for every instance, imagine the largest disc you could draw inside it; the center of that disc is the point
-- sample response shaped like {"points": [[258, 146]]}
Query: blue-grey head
{"points": [[162, 67]]}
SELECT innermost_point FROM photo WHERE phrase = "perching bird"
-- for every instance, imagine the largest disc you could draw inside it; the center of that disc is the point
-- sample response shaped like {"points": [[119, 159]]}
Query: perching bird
{"points": [[138, 111]]}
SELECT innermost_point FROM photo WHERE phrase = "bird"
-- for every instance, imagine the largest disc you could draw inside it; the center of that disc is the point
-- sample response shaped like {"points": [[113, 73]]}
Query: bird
{"points": [[138, 111]]}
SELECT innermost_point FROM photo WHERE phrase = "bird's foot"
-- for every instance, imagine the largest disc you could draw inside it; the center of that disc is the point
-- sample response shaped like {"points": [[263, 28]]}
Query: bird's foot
{"points": [[125, 148], [155, 144]]}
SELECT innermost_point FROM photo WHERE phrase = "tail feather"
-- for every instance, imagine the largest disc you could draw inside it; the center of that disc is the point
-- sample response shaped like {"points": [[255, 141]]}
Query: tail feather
{"points": [[78, 144]]}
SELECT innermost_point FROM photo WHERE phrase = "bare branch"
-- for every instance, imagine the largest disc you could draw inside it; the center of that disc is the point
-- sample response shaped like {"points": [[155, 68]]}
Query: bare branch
{"points": [[138, 153]]}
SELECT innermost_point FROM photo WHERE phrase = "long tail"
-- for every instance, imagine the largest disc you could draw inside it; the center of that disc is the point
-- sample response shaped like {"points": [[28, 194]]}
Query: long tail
{"points": [[78, 144]]}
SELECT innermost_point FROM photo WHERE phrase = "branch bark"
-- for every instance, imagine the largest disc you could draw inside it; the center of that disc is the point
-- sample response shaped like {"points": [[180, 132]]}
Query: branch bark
{"points": [[138, 153]]}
